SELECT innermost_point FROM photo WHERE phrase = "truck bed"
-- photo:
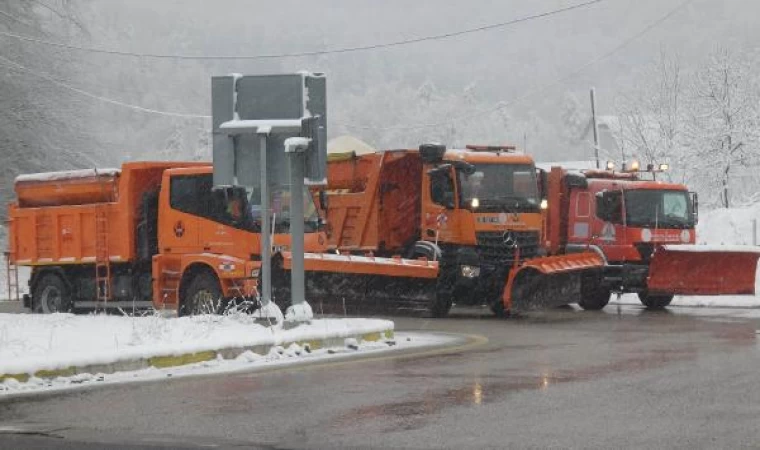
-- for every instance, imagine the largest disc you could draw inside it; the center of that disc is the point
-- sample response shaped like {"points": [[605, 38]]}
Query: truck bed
{"points": [[63, 217]]}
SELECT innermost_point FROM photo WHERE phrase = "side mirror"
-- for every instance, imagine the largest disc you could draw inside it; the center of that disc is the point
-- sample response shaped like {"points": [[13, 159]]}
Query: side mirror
{"points": [[442, 186], [464, 167], [609, 206], [543, 184], [439, 171], [602, 211], [694, 206]]}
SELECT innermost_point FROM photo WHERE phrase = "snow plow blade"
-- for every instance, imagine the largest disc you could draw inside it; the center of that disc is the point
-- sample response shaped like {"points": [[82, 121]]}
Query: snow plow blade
{"points": [[362, 285], [549, 281], [703, 270]]}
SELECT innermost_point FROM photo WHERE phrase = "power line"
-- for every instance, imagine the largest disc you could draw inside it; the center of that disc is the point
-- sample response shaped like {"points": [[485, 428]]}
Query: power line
{"points": [[15, 19], [539, 89], [99, 97], [60, 14], [501, 105], [307, 53]]}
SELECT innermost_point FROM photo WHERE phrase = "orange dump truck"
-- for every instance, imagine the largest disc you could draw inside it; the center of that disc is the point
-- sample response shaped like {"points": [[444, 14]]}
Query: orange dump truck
{"points": [[477, 210], [158, 234]]}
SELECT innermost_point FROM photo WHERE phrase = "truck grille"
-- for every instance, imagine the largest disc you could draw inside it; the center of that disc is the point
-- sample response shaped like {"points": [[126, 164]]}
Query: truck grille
{"points": [[494, 251]]}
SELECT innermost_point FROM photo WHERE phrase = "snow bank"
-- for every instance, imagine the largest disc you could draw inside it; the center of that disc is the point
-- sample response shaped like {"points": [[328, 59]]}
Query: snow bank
{"points": [[247, 361], [728, 226], [33, 342]]}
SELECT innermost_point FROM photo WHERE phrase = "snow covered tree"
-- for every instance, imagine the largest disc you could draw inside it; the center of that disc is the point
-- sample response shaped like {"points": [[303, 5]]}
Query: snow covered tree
{"points": [[653, 116], [723, 128]]}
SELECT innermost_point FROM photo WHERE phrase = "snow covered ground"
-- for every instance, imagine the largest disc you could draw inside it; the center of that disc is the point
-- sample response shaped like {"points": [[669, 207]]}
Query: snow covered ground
{"points": [[248, 361], [724, 301], [30, 342], [732, 226]]}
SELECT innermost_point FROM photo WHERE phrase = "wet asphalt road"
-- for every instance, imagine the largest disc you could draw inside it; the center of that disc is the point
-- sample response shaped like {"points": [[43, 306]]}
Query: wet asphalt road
{"points": [[564, 378]]}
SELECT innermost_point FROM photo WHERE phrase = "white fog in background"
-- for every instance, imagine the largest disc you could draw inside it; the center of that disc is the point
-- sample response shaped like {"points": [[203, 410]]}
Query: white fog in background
{"points": [[465, 86]]}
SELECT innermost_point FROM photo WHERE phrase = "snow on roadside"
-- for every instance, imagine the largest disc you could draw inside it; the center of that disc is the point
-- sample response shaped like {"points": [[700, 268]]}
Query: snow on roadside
{"points": [[30, 342], [245, 362], [711, 301], [728, 226]]}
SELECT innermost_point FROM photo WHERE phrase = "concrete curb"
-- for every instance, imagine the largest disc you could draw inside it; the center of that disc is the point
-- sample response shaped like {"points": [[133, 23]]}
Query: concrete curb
{"points": [[164, 361]]}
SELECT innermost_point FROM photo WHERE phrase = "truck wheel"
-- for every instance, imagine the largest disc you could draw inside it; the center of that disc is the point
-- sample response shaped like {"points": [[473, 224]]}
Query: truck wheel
{"points": [[497, 308], [202, 296], [441, 305], [51, 295], [655, 301], [595, 300]]}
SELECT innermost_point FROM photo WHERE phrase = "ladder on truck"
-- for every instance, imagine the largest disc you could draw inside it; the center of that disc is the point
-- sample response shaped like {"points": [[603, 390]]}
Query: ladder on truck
{"points": [[11, 273], [102, 258]]}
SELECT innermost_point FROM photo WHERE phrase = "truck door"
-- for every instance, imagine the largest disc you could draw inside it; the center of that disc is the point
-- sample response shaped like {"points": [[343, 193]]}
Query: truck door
{"points": [[608, 231], [178, 225], [439, 203]]}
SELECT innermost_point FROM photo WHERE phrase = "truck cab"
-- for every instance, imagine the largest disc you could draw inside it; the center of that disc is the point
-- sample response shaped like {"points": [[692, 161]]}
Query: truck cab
{"points": [[624, 217], [482, 204], [217, 231]]}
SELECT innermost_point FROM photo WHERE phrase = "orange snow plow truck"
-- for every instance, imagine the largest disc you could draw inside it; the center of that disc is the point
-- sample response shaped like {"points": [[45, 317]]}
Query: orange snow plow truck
{"points": [[644, 229], [157, 234], [475, 210]]}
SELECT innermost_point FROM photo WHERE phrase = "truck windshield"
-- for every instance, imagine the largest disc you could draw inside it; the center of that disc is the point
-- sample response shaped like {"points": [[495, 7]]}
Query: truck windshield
{"points": [[658, 208], [499, 187]]}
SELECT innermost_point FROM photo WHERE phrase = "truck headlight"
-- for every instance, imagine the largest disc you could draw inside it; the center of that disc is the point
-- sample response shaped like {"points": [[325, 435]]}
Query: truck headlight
{"points": [[469, 271]]}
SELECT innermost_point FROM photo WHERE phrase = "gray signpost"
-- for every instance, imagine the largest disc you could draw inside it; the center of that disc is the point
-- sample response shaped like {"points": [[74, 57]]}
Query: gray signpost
{"points": [[257, 121]]}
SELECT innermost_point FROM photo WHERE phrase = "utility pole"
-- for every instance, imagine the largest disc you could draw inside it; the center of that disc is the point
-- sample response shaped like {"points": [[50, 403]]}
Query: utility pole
{"points": [[596, 128]]}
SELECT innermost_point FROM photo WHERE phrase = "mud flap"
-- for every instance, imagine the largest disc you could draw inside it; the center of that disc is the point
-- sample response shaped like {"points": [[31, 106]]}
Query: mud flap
{"points": [[548, 282], [703, 270], [359, 285]]}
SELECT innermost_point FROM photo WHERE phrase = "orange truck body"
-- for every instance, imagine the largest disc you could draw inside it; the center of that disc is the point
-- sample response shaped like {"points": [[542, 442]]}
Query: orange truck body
{"points": [[382, 203], [140, 235], [54, 228]]}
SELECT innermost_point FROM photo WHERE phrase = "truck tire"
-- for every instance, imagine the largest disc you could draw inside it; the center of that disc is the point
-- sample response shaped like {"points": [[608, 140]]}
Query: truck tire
{"points": [[202, 296], [498, 310], [441, 305], [594, 300], [444, 299], [655, 301], [51, 295]]}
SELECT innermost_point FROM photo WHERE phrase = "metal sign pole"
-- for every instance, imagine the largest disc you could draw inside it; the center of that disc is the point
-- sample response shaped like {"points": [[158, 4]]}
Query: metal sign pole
{"points": [[297, 227], [266, 226]]}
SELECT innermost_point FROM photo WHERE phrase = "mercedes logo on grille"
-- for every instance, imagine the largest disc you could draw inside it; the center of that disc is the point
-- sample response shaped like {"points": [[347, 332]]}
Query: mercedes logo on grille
{"points": [[508, 238]]}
